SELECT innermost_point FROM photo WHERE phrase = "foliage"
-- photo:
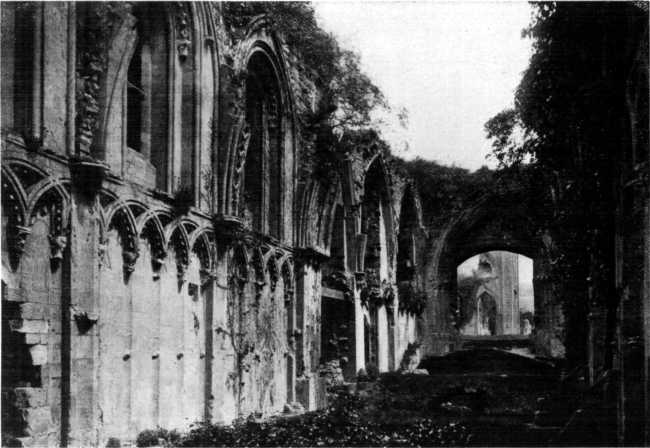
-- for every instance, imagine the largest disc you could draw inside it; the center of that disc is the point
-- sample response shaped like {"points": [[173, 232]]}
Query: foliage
{"points": [[569, 118], [340, 424], [411, 298], [444, 188], [342, 120], [157, 437], [348, 94]]}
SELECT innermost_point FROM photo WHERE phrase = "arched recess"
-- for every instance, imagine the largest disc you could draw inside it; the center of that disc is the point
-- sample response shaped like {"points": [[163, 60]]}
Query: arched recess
{"points": [[50, 199], [152, 230], [376, 295], [258, 186], [14, 212], [406, 239], [201, 241], [147, 91], [495, 222], [262, 179], [377, 222], [258, 269], [273, 270], [178, 241], [120, 219], [310, 209]]}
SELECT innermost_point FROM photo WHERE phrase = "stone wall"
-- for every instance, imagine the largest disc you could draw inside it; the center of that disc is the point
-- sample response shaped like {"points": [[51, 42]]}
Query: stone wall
{"points": [[135, 291]]}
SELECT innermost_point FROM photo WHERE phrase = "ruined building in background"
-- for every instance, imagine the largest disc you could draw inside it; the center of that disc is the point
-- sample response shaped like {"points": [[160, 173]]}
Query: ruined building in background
{"points": [[169, 254], [491, 302]]}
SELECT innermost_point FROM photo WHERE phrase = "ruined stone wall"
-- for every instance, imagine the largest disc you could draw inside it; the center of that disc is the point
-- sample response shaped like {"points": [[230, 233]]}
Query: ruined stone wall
{"points": [[134, 292]]}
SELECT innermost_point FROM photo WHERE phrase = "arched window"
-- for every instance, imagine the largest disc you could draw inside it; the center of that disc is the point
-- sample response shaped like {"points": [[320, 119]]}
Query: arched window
{"points": [[376, 224], [19, 29], [147, 93], [262, 190], [136, 97], [406, 239]]}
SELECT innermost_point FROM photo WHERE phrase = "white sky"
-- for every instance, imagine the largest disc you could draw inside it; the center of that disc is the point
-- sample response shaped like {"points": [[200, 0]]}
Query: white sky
{"points": [[453, 65]]}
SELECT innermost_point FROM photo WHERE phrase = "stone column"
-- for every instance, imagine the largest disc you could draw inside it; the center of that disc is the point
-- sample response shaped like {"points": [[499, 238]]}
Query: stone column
{"points": [[80, 345]]}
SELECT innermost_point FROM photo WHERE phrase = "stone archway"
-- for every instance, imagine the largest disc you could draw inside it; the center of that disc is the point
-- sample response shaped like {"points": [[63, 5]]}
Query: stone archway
{"points": [[495, 222]]}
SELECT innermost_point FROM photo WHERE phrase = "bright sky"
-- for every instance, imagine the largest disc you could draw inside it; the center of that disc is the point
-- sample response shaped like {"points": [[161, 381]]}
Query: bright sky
{"points": [[453, 65]]}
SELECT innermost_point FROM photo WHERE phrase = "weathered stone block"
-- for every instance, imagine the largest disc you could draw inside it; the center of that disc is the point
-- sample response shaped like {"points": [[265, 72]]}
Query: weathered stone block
{"points": [[33, 311], [311, 392], [38, 420], [39, 354], [82, 347], [33, 338], [29, 397], [28, 326]]}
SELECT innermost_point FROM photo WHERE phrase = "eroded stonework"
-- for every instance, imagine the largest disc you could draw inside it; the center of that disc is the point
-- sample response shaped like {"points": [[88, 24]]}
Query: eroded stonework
{"points": [[167, 255]]}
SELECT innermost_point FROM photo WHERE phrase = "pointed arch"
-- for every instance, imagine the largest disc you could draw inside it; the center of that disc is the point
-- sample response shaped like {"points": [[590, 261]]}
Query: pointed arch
{"points": [[308, 212], [287, 273], [409, 224], [179, 241], [238, 263], [256, 185], [14, 198], [50, 198], [202, 244], [257, 265], [151, 229], [14, 207], [120, 218], [273, 270], [27, 173]]}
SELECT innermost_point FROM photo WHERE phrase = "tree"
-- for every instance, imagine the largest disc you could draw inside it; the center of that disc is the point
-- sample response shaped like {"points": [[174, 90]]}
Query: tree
{"points": [[568, 120]]}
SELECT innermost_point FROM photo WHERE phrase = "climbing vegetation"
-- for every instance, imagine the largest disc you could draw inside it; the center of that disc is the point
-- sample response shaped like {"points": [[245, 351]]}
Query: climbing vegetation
{"points": [[573, 113]]}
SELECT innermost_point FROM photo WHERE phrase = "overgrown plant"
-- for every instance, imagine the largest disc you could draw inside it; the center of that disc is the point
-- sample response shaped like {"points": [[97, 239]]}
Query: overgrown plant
{"points": [[571, 118]]}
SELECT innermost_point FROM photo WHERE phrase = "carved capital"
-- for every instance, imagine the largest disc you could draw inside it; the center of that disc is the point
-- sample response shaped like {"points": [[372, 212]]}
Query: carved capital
{"points": [[88, 174], [129, 257], [18, 239], [209, 274], [228, 228], [58, 243], [102, 248], [360, 279], [181, 271], [157, 262], [183, 30]]}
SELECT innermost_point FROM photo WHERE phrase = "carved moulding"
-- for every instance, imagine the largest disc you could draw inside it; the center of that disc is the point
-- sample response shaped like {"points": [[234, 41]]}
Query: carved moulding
{"points": [[181, 250], [340, 281], [228, 229], [257, 264], [14, 209], [311, 256], [274, 273], [51, 206], [122, 221], [288, 281], [88, 174], [183, 26], [238, 159], [97, 23], [18, 238]]}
